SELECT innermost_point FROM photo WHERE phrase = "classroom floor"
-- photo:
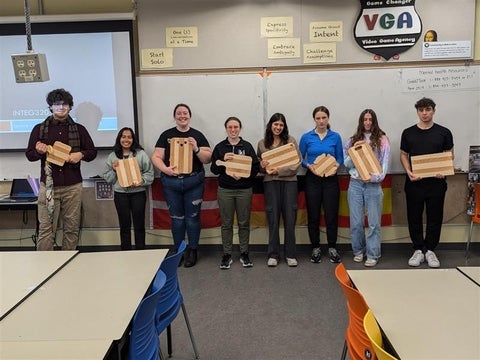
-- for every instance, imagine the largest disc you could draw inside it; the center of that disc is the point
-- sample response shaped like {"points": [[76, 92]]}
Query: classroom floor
{"points": [[274, 313]]}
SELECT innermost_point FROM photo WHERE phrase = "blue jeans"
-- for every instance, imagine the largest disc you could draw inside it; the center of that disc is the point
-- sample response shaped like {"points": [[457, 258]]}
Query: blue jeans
{"points": [[365, 197], [184, 199]]}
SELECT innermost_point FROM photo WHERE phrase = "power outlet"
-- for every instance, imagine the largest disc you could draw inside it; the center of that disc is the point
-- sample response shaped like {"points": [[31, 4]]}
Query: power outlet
{"points": [[30, 67]]}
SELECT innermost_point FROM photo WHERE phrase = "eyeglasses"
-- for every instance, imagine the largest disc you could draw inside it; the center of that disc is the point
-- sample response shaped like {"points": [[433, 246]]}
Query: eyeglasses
{"points": [[59, 105]]}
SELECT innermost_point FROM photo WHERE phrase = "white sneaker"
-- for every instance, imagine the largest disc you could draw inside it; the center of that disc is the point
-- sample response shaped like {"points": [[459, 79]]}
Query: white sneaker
{"points": [[272, 262], [417, 258], [370, 262], [432, 259], [292, 262], [358, 258]]}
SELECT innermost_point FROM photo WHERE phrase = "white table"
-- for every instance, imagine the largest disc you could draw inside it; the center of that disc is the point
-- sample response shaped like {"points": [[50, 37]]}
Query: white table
{"points": [[472, 272], [54, 350], [425, 314], [93, 297], [22, 272]]}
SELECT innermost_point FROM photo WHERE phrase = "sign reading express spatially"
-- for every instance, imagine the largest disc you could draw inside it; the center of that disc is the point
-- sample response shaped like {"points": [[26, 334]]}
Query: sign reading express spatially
{"points": [[387, 28]]}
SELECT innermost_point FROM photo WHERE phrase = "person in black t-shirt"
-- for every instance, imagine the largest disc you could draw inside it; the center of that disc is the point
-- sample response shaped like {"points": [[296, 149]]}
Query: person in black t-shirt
{"points": [[183, 192], [425, 137]]}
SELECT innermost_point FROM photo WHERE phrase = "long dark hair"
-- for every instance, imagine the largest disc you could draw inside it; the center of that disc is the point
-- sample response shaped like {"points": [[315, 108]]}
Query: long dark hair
{"points": [[268, 139], [376, 132], [117, 148]]}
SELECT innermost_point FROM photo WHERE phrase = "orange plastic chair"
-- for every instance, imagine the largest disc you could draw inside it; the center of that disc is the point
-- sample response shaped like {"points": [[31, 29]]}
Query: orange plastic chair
{"points": [[375, 335], [357, 342], [475, 216]]}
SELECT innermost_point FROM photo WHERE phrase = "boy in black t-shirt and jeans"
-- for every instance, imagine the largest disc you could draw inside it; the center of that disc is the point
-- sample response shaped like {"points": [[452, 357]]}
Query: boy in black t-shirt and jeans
{"points": [[424, 138]]}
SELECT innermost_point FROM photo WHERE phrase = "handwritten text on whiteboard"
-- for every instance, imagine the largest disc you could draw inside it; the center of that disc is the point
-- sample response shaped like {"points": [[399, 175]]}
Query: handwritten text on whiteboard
{"points": [[440, 79]]}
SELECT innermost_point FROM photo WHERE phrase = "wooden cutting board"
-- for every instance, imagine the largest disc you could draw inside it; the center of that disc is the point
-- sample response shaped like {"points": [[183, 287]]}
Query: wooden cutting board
{"points": [[432, 164], [325, 165], [58, 153], [128, 172], [240, 166], [364, 160], [284, 155], [181, 155]]}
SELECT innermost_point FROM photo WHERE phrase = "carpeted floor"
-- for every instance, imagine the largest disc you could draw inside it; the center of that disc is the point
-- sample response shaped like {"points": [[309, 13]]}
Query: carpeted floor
{"points": [[264, 313]]}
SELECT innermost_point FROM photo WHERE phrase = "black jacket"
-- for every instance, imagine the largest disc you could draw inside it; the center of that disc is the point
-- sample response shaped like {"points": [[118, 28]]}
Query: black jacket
{"points": [[242, 148]]}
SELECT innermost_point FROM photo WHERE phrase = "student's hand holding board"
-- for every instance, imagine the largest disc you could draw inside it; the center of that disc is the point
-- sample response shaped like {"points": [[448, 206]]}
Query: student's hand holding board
{"points": [[236, 165]]}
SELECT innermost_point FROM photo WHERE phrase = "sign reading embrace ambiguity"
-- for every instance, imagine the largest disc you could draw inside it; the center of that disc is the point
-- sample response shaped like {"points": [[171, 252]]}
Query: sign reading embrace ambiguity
{"points": [[387, 27]]}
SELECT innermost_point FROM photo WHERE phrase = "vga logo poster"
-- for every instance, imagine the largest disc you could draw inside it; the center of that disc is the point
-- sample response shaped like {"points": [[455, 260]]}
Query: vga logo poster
{"points": [[387, 27]]}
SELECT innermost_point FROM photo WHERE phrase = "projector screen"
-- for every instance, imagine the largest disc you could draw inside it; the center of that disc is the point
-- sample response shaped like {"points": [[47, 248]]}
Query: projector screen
{"points": [[95, 66]]}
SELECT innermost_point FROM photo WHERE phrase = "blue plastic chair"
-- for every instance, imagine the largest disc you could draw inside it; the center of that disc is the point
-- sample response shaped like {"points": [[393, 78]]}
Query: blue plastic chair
{"points": [[144, 341], [171, 299]]}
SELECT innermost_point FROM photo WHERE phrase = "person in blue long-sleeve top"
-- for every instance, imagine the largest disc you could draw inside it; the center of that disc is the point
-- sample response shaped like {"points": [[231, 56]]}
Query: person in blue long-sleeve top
{"points": [[321, 191]]}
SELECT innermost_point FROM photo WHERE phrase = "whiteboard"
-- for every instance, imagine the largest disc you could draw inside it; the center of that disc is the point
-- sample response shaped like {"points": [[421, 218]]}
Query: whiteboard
{"points": [[212, 99], [253, 99], [346, 93], [295, 94]]}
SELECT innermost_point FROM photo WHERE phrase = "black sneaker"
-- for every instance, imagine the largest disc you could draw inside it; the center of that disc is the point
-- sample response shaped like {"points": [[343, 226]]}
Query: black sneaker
{"points": [[334, 256], [245, 260], [316, 255], [226, 261]]}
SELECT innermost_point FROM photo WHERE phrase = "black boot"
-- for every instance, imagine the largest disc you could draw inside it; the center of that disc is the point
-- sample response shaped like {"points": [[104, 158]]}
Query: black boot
{"points": [[190, 258]]}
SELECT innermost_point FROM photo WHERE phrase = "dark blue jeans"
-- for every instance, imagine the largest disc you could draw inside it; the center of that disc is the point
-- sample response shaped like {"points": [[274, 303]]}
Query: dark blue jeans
{"points": [[131, 206], [184, 200]]}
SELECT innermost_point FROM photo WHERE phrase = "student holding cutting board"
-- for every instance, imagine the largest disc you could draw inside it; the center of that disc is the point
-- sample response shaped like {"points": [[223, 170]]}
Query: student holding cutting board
{"points": [[424, 193], [236, 164], [322, 189], [130, 194], [183, 188], [365, 194], [280, 163]]}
